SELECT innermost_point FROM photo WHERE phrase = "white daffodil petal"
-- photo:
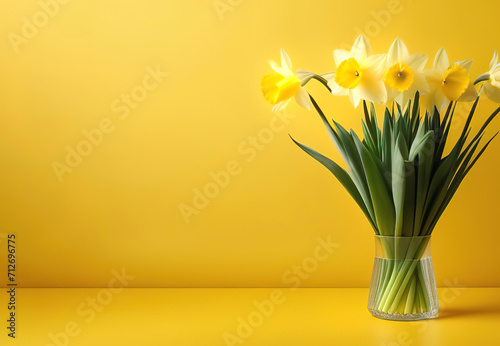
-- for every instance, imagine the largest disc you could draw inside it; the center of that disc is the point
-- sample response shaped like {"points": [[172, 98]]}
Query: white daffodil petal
{"points": [[373, 91], [436, 100], [285, 60], [328, 76], [304, 76], [441, 62], [278, 69], [420, 83], [355, 97], [439, 100], [360, 49], [408, 94], [494, 60], [281, 105], [399, 99], [337, 90], [391, 93], [277, 107], [434, 79], [273, 64], [302, 99], [492, 93], [375, 64], [495, 72], [469, 94], [495, 83], [435, 97], [340, 55], [372, 87], [417, 62], [398, 52], [466, 64]]}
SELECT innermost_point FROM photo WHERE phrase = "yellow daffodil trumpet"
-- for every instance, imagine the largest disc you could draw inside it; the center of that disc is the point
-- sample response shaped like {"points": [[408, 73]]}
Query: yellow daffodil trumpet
{"points": [[279, 88], [399, 77]]}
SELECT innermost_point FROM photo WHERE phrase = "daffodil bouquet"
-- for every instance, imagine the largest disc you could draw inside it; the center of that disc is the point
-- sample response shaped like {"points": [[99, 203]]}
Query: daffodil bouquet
{"points": [[398, 173]]}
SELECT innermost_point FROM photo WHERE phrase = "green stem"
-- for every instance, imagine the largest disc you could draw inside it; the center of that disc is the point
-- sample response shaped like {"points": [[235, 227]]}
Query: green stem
{"points": [[322, 81], [411, 296], [416, 308], [386, 290], [482, 78], [421, 295], [381, 279], [424, 288], [388, 273], [404, 277]]}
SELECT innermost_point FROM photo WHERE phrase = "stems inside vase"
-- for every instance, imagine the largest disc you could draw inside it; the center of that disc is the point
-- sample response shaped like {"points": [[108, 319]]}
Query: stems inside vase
{"points": [[402, 287]]}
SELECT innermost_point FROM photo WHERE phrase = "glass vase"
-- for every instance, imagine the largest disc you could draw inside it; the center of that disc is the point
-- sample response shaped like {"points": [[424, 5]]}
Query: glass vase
{"points": [[403, 286]]}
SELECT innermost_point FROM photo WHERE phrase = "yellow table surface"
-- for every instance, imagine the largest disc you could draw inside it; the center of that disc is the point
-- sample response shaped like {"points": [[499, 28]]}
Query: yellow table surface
{"points": [[322, 316]]}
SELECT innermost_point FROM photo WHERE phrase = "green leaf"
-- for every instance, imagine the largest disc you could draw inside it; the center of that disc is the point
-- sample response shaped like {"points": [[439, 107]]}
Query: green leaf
{"points": [[341, 175], [441, 195], [356, 167], [443, 131], [420, 143], [387, 144], [333, 135], [407, 122], [479, 155], [424, 169], [398, 189], [384, 171], [382, 203], [459, 176], [438, 188], [435, 120], [376, 130], [368, 137], [368, 121], [486, 123], [401, 143], [415, 114], [409, 202], [469, 118]]}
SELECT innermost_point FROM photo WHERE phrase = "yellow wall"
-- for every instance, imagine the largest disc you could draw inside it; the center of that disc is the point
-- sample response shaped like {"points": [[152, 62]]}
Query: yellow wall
{"points": [[119, 207]]}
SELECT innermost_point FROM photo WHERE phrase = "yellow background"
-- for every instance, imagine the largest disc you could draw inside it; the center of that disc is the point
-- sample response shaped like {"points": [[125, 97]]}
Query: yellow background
{"points": [[120, 207]]}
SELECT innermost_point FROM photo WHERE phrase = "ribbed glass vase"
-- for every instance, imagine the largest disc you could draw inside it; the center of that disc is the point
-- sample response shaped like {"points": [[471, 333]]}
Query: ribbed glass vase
{"points": [[403, 286]]}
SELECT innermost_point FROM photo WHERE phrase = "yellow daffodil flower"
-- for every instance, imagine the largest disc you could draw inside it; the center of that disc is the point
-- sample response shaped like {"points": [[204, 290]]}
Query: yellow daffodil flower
{"points": [[405, 73], [359, 74], [279, 88], [492, 77], [449, 82]]}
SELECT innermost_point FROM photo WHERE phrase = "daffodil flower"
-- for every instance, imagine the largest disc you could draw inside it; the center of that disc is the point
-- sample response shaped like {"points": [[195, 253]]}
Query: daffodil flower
{"points": [[359, 74], [405, 73], [492, 88], [449, 83], [279, 88]]}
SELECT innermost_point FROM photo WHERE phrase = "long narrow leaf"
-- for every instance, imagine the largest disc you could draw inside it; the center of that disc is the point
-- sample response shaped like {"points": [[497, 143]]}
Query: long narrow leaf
{"points": [[342, 176], [382, 203], [398, 189], [356, 167]]}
